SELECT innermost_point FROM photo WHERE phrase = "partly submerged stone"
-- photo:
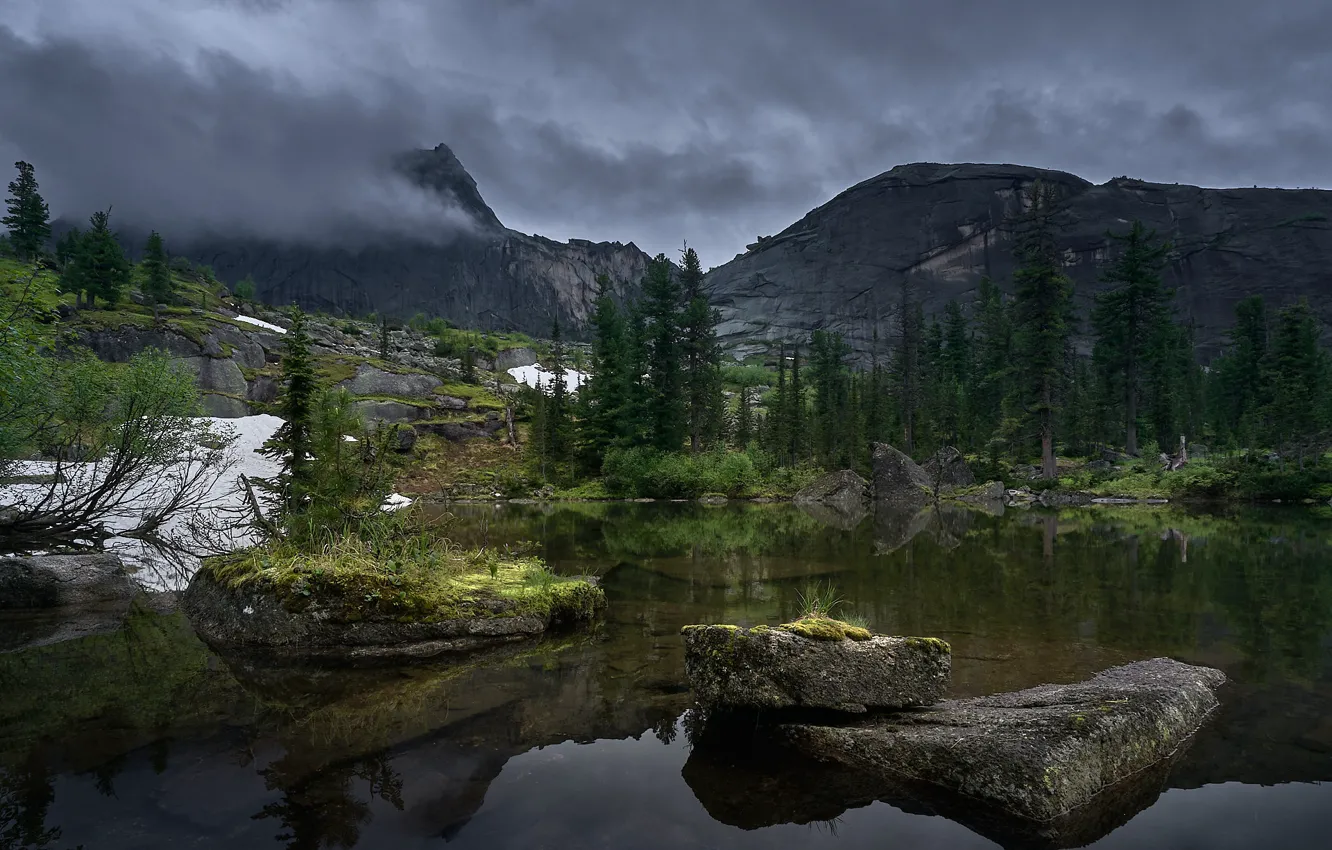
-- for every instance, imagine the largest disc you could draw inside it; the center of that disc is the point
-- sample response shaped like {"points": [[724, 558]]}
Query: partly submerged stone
{"points": [[813, 664], [843, 489], [1035, 754], [62, 581], [252, 617]]}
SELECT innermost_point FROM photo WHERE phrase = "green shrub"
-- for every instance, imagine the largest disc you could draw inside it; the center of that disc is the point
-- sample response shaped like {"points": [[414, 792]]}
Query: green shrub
{"points": [[647, 474]]}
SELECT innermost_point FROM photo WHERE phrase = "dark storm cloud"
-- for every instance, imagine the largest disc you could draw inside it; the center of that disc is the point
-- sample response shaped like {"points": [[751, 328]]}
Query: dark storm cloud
{"points": [[711, 121]]}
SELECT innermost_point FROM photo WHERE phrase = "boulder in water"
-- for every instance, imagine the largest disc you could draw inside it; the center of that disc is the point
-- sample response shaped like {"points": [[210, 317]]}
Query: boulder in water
{"points": [[1035, 754], [899, 479], [813, 663], [843, 489]]}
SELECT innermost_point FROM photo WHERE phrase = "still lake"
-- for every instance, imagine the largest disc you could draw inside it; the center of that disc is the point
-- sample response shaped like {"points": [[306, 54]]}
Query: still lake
{"points": [[142, 738]]}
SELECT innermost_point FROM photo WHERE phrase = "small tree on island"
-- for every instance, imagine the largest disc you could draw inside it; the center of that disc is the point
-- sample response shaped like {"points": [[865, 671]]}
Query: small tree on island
{"points": [[290, 445]]}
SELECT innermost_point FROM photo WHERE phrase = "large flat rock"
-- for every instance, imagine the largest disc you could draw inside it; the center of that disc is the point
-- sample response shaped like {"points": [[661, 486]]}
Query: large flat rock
{"points": [[1036, 754], [770, 668]]}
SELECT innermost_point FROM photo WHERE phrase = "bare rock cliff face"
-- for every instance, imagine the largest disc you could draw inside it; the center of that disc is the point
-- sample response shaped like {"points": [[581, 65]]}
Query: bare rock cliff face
{"points": [[942, 228], [491, 277]]}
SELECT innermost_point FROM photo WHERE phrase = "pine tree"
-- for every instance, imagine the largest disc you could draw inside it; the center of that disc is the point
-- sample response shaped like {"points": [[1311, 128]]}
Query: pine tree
{"points": [[795, 415], [701, 355], [290, 445], [67, 249], [1130, 321], [666, 402], [1042, 302], [1298, 372], [1240, 392], [778, 423], [744, 418], [954, 373], [99, 268], [603, 398], [992, 380], [157, 283], [27, 217], [907, 365], [830, 376], [558, 418]]}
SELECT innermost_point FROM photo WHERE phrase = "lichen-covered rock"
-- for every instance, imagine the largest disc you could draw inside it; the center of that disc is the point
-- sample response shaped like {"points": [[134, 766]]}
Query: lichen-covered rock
{"points": [[1064, 498], [777, 667], [897, 478], [1035, 754], [58, 581], [388, 411], [949, 468], [373, 381]]}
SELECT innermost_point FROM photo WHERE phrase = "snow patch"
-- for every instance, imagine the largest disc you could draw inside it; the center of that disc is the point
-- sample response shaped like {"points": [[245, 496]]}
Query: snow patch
{"points": [[261, 323], [535, 376]]}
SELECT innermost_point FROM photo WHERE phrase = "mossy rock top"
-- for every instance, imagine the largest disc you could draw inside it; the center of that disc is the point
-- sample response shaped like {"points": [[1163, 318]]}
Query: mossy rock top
{"points": [[345, 605]]}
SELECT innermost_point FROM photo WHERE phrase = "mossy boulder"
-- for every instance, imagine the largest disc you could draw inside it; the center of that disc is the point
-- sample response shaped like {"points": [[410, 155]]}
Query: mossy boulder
{"points": [[813, 663], [1037, 754], [368, 612], [64, 581]]}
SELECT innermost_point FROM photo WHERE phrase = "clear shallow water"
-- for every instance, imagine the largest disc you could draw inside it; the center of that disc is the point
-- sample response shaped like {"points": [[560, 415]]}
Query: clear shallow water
{"points": [[142, 738]]}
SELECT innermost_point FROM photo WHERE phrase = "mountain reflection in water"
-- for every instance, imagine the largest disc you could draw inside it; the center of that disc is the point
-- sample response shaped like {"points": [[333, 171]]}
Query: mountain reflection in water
{"points": [[140, 737]]}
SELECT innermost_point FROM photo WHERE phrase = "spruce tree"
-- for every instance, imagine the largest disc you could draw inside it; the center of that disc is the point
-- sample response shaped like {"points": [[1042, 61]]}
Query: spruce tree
{"points": [[795, 415], [666, 403], [290, 445], [701, 355], [1298, 372], [558, 420], [67, 249], [1042, 303], [157, 283], [27, 217], [907, 365], [744, 418], [603, 398], [1239, 388], [830, 376], [99, 268], [1130, 322]]}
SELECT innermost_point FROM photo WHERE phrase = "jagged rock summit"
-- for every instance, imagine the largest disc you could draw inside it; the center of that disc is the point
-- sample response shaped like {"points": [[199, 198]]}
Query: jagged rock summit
{"points": [[941, 228], [487, 276]]}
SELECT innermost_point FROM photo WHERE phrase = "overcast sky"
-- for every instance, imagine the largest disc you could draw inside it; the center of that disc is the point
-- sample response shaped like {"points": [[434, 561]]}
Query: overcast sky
{"points": [[707, 120]]}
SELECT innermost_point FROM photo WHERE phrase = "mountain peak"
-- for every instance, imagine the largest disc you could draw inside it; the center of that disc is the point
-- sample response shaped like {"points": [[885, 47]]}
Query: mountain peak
{"points": [[440, 170]]}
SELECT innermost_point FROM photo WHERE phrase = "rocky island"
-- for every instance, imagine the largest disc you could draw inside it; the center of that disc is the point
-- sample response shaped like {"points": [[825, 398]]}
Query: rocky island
{"points": [[1031, 757], [348, 610]]}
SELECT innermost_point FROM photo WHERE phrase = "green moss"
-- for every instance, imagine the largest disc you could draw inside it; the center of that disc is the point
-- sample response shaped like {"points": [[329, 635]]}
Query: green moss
{"points": [[940, 646], [354, 582], [825, 628], [477, 397]]}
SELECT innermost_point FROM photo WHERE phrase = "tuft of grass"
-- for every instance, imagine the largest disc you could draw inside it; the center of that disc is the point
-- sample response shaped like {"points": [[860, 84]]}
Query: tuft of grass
{"points": [[818, 599]]}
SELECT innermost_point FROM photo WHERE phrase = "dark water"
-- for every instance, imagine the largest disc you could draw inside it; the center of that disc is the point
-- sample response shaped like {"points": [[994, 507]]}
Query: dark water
{"points": [[142, 738]]}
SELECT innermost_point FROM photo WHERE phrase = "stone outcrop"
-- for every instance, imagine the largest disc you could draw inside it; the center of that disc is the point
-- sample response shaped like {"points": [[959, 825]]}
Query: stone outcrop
{"points": [[898, 479], [483, 276], [949, 468], [61, 581], [1036, 754], [941, 226], [255, 620], [373, 381], [773, 668]]}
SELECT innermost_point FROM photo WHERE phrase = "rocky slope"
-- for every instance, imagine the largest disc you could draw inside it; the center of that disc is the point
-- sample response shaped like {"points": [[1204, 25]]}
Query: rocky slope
{"points": [[940, 228], [492, 277]]}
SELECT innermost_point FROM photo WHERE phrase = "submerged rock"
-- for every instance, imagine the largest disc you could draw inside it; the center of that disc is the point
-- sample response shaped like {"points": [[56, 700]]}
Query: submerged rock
{"points": [[813, 664], [1036, 754], [61, 581]]}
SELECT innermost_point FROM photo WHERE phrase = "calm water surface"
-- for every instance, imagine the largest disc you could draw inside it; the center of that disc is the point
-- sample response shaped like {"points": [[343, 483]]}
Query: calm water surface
{"points": [[142, 738]]}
